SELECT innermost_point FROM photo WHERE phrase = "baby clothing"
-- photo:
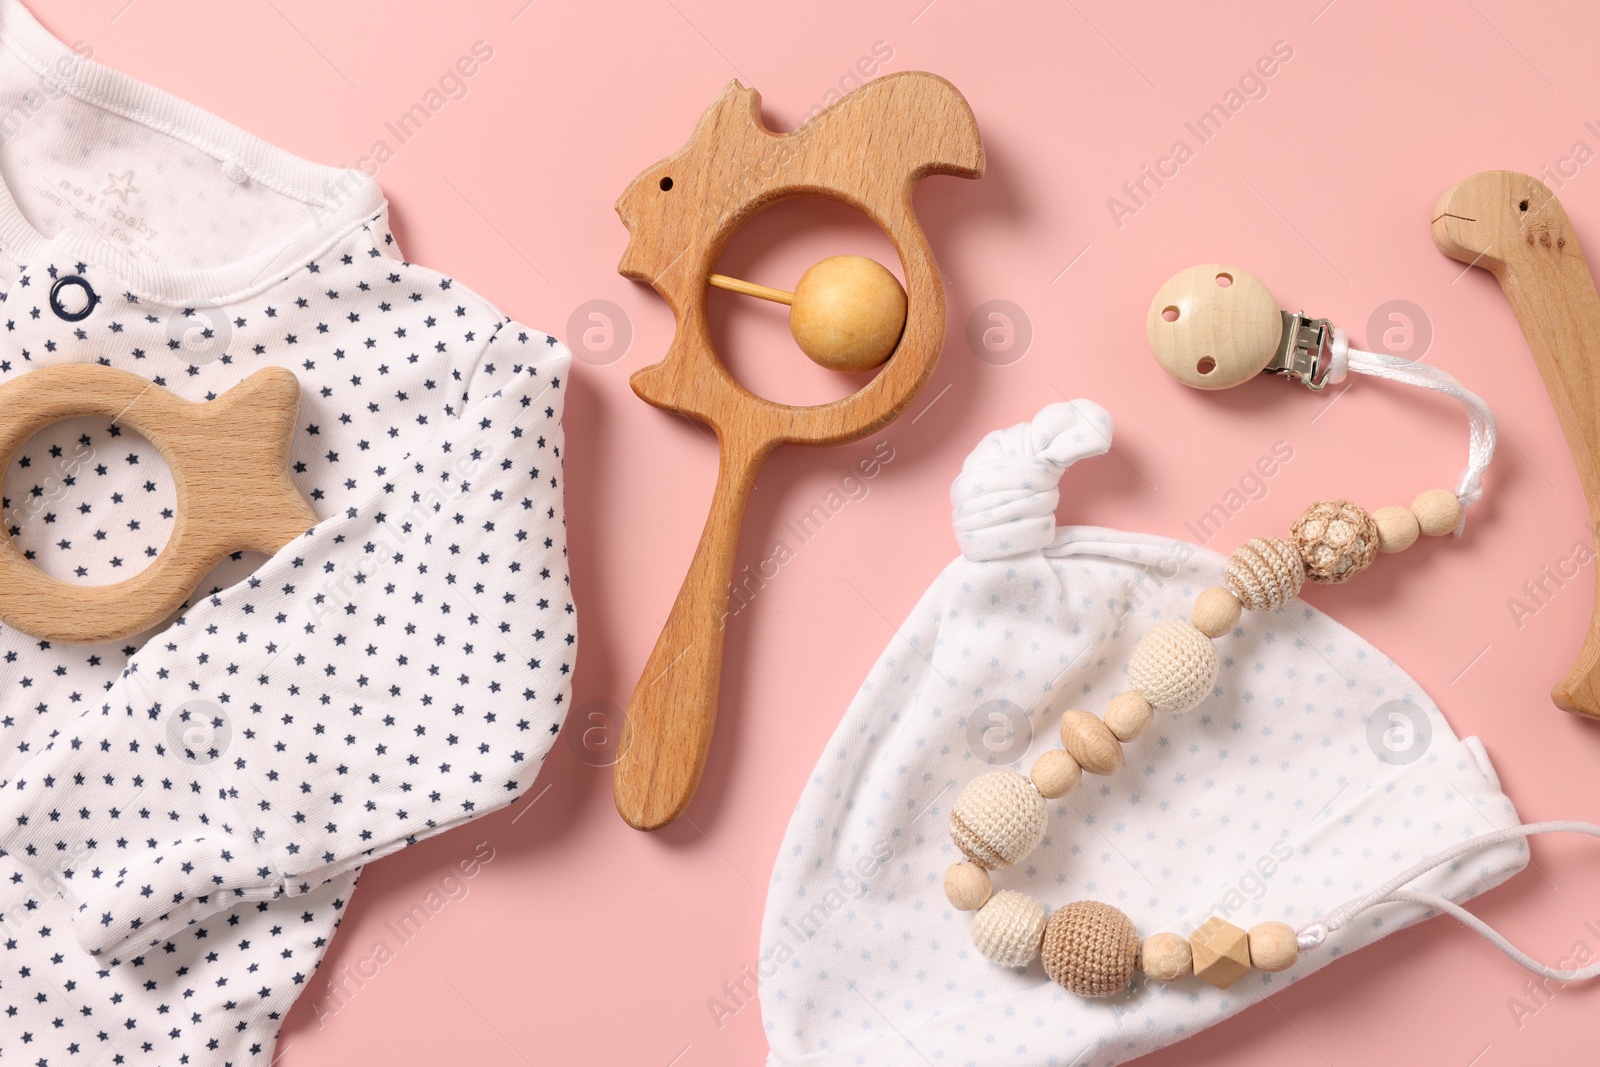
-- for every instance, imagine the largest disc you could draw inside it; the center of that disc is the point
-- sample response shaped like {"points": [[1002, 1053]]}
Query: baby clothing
{"points": [[183, 814], [1314, 771]]}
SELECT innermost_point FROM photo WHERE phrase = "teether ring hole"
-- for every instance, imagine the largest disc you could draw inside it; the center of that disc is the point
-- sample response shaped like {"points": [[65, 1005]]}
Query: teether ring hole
{"points": [[1206, 365], [1224, 280]]}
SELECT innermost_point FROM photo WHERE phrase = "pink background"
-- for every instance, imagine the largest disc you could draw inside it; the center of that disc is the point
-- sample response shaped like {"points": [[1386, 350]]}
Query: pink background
{"points": [[584, 941]]}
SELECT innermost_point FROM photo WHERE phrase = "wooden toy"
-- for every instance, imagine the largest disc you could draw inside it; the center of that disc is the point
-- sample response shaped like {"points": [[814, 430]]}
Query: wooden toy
{"points": [[1513, 226], [229, 463], [868, 150]]}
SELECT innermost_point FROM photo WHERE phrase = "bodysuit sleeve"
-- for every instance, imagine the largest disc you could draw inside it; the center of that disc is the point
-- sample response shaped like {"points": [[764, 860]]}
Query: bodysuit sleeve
{"points": [[400, 669]]}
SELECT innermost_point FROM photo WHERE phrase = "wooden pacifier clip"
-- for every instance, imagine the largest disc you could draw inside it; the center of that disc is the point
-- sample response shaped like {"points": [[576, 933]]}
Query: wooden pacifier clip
{"points": [[1213, 327], [229, 462]]}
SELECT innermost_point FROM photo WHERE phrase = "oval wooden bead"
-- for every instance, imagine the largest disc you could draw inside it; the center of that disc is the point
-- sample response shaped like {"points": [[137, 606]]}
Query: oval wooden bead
{"points": [[1438, 512], [967, 886], [1129, 715], [1166, 958], [1397, 528], [1090, 741], [1055, 774], [1273, 946], [1008, 929], [1265, 573], [1216, 611]]}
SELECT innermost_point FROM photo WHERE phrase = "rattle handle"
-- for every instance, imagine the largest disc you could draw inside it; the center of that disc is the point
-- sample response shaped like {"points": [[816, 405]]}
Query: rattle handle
{"points": [[667, 733]]}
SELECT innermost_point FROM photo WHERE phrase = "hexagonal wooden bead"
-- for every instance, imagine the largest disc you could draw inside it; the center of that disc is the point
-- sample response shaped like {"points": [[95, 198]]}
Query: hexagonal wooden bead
{"points": [[1129, 715], [1055, 774], [1397, 528], [1438, 512], [1221, 952], [1166, 958], [1090, 741], [1273, 946], [1216, 611]]}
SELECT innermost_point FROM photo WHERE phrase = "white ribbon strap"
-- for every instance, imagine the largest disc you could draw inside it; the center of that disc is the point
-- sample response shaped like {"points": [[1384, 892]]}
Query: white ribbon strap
{"points": [[1480, 419], [1314, 934]]}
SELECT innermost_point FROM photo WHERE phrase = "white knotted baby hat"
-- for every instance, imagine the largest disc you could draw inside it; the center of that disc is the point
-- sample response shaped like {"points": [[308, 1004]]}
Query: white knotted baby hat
{"points": [[1314, 771]]}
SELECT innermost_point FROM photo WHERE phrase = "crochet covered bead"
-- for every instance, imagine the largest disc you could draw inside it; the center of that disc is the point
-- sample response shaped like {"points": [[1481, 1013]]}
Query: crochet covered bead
{"points": [[1173, 666], [1265, 573], [1090, 949], [998, 819], [1007, 929], [1336, 541]]}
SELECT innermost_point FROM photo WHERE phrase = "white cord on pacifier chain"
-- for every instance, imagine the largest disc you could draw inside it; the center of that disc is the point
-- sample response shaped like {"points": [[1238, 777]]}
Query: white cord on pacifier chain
{"points": [[1480, 419], [1313, 934]]}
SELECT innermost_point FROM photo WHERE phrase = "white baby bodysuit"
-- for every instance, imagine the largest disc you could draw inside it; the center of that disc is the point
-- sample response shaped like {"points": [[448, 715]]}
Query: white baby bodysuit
{"points": [[183, 814]]}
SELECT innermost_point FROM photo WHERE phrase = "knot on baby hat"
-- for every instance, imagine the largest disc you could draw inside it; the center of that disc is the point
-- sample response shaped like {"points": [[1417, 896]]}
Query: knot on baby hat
{"points": [[1005, 497]]}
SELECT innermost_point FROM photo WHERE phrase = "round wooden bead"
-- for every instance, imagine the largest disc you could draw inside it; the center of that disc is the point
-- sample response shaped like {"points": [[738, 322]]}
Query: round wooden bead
{"points": [[967, 886], [1173, 666], [1090, 741], [998, 819], [1397, 528], [1166, 958], [1273, 946], [1265, 573], [1213, 326], [1438, 512], [848, 313], [1055, 774], [1216, 611], [1008, 929], [1336, 540], [1090, 948], [1129, 715]]}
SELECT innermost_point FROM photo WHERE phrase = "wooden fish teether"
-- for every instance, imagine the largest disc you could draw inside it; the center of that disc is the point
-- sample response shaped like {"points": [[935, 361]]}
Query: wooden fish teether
{"points": [[868, 150], [1513, 226], [229, 463]]}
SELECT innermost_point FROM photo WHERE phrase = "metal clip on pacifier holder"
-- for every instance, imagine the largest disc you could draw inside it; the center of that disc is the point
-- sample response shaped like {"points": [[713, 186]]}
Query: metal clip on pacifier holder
{"points": [[1214, 327]]}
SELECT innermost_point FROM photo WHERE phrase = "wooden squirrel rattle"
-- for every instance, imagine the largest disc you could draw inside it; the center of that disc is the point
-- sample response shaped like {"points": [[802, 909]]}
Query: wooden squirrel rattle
{"points": [[869, 150]]}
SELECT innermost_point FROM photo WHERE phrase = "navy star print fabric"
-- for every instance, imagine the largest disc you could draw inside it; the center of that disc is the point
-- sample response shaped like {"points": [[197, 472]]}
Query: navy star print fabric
{"points": [[184, 814]]}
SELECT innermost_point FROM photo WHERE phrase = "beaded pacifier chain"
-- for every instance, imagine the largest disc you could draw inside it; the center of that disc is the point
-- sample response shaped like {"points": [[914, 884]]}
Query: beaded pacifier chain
{"points": [[1212, 326]]}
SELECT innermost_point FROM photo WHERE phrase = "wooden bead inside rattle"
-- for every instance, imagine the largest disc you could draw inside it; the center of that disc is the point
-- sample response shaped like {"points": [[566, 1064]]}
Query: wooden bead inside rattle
{"points": [[1214, 326], [847, 313]]}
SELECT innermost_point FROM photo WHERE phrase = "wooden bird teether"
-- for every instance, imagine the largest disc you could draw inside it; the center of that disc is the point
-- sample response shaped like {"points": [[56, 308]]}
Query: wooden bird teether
{"points": [[1513, 226], [229, 463], [868, 150]]}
